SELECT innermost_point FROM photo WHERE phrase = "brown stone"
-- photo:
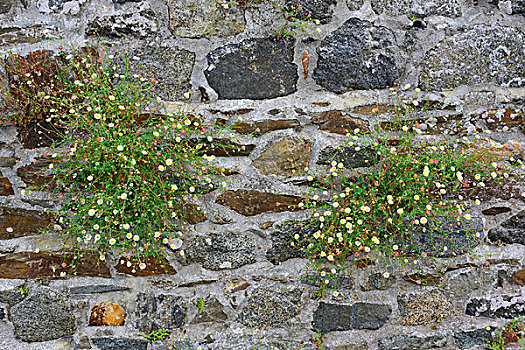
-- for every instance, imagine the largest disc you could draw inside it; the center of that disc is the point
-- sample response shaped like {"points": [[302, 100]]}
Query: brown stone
{"points": [[49, 265], [251, 202], [225, 148], [519, 277], [193, 214], [154, 267], [497, 119], [7, 162], [233, 113], [107, 314], [495, 211], [213, 311], [39, 133], [34, 174], [425, 279], [264, 126], [374, 109], [15, 222], [288, 157], [265, 225], [6, 189], [340, 123]]}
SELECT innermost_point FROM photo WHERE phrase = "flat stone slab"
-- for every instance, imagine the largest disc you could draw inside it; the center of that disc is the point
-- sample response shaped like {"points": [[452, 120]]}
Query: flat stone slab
{"points": [[340, 317]]}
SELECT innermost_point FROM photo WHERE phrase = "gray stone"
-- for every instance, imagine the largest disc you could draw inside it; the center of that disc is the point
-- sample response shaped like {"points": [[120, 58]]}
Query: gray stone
{"points": [[120, 343], [511, 231], [84, 343], [138, 21], [336, 317], [377, 281], [270, 307], [287, 157], [124, 1], [350, 158], [468, 339], [443, 237], [354, 5], [94, 289], [12, 296], [419, 8], [339, 281], [502, 306], [6, 5], [321, 10], [44, 315], [213, 312], [159, 311], [409, 342], [479, 55], [363, 345], [222, 251], [285, 246], [205, 18], [243, 342], [57, 5], [255, 69], [358, 56], [170, 66], [426, 308]]}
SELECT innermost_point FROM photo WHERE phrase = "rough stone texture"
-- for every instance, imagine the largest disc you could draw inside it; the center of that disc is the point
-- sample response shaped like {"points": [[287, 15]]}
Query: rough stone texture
{"points": [[36, 175], [321, 10], [354, 5], [260, 127], [425, 308], [335, 317], [7, 155], [270, 308], [205, 18], [350, 158], [469, 339], [170, 66], [12, 296], [511, 231], [358, 56], [38, 133], [409, 342], [419, 8], [502, 306], [193, 214], [478, 55], [44, 315], [340, 123], [154, 312], [6, 5], [289, 156], [47, 266], [377, 281], [6, 188], [95, 289], [495, 211], [317, 279], [285, 246], [213, 312], [16, 222], [138, 21], [120, 343], [519, 277], [255, 68], [155, 266], [444, 237], [222, 251], [251, 202], [107, 314]]}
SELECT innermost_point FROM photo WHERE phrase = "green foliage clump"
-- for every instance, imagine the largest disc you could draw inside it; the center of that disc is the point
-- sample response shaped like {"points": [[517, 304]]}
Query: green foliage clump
{"points": [[125, 168]]}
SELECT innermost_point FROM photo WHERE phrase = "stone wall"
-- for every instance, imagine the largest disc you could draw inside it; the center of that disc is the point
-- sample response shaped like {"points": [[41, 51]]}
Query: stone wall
{"points": [[469, 54]]}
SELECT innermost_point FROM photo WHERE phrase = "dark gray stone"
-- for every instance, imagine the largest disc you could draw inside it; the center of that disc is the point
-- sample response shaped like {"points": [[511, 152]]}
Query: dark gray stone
{"points": [[418, 8], [468, 339], [443, 237], [57, 5], [336, 317], [350, 158], [358, 56], [354, 5], [270, 308], [93, 289], [5, 6], [170, 66], [340, 281], [253, 69], [12, 297], [84, 343], [124, 1], [159, 311], [377, 281], [120, 343], [501, 307], [138, 21], [321, 10], [44, 315], [479, 55], [511, 231], [222, 251], [285, 246], [409, 342]]}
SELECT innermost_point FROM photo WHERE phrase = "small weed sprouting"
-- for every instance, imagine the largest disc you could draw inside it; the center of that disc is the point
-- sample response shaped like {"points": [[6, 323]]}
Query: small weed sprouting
{"points": [[413, 187], [513, 332], [158, 335], [201, 304], [23, 292], [125, 169]]}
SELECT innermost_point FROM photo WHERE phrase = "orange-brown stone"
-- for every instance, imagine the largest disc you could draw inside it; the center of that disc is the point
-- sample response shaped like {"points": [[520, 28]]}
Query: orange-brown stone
{"points": [[6, 189], [154, 267], [15, 222], [338, 122], [107, 314], [251, 202], [289, 157], [193, 214], [519, 277], [34, 174]]}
